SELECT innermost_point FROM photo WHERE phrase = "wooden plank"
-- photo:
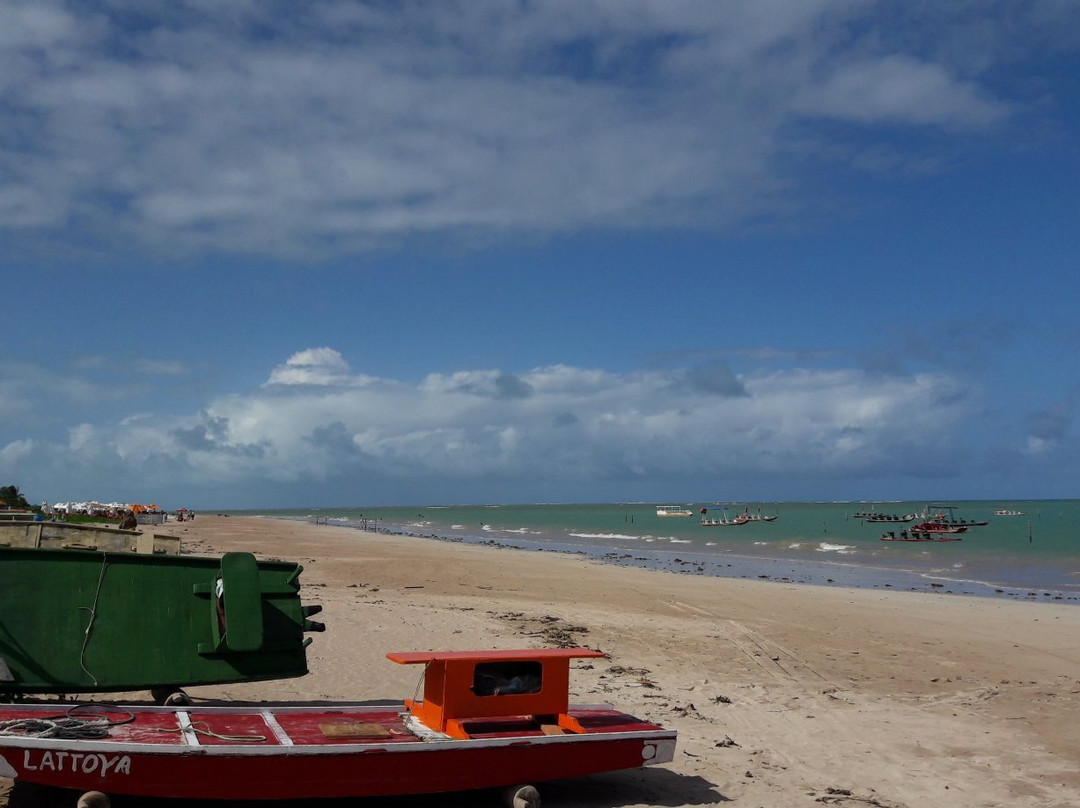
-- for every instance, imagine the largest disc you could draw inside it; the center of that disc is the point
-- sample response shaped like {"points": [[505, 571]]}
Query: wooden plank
{"points": [[521, 655], [276, 728], [191, 737]]}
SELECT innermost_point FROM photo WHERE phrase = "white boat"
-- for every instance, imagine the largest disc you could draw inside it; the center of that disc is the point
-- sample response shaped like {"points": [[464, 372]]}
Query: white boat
{"points": [[673, 510], [1009, 512]]}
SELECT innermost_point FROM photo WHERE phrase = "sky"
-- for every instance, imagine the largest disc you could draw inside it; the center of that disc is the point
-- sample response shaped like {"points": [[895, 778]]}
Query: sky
{"points": [[273, 254]]}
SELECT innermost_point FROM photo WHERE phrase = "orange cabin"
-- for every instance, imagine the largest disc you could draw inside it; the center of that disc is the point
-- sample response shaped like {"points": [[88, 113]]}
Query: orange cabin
{"points": [[464, 685]]}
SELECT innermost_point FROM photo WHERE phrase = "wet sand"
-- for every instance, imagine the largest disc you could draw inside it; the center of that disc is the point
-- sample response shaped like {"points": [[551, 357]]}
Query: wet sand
{"points": [[783, 694]]}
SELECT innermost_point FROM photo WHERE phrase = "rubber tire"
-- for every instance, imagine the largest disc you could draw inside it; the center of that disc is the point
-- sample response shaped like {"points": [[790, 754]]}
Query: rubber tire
{"points": [[523, 796], [93, 799], [170, 697]]}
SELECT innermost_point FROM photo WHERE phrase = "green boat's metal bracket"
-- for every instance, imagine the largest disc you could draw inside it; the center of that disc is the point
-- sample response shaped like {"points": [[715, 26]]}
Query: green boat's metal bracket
{"points": [[236, 605]]}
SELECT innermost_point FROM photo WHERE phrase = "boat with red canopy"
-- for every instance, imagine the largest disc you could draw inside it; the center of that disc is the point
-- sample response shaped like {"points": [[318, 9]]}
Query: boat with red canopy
{"points": [[487, 719], [942, 519]]}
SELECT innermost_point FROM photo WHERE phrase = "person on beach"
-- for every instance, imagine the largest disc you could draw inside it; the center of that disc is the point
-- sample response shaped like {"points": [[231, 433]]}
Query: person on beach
{"points": [[129, 522]]}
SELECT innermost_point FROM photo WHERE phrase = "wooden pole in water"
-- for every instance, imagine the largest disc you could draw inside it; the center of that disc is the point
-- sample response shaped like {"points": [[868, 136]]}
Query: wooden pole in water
{"points": [[1029, 531]]}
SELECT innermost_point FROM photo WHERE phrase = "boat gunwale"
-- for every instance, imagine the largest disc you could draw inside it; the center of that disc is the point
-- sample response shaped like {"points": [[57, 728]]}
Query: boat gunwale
{"points": [[135, 748], [360, 746]]}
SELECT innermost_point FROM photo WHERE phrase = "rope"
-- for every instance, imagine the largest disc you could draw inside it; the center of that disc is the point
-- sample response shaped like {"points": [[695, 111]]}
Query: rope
{"points": [[202, 728], [423, 732], [101, 709], [65, 728], [71, 727], [68, 726], [413, 724], [93, 616], [420, 680]]}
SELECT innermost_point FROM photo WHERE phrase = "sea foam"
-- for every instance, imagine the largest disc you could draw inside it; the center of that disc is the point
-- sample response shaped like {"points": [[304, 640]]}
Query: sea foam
{"points": [[606, 536], [843, 549]]}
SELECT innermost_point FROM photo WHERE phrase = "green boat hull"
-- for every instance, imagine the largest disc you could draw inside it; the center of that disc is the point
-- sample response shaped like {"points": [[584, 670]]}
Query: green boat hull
{"points": [[74, 621]]}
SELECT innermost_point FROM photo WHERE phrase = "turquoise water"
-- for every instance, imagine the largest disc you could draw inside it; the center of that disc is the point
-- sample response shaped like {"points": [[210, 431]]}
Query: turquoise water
{"points": [[1036, 555]]}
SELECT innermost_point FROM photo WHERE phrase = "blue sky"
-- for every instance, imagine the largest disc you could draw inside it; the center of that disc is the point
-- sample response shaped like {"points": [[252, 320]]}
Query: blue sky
{"points": [[350, 253]]}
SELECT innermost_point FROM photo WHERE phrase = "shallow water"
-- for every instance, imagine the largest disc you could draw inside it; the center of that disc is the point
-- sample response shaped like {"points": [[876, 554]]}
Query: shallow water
{"points": [[1034, 556]]}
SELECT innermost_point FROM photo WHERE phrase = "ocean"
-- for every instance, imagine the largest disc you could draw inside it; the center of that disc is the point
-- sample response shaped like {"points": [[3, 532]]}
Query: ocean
{"points": [[1033, 556]]}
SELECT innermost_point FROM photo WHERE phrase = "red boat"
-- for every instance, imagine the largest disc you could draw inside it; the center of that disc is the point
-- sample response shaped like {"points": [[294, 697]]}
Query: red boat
{"points": [[944, 521], [488, 719], [938, 526]]}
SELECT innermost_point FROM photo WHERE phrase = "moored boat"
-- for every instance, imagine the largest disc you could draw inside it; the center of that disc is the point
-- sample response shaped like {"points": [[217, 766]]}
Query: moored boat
{"points": [[941, 519], [707, 521], [915, 535], [888, 517], [673, 510], [487, 719], [759, 516], [938, 526], [875, 516]]}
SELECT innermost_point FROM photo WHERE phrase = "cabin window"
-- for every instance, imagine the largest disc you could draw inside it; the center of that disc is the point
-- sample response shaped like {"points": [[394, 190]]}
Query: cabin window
{"points": [[507, 678]]}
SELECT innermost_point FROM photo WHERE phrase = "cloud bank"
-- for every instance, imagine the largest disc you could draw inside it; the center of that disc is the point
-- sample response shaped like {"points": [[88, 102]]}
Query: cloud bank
{"points": [[556, 429], [289, 130]]}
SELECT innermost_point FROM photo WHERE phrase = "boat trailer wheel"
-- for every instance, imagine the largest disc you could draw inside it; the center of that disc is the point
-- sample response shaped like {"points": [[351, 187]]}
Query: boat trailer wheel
{"points": [[524, 796], [170, 697], [93, 799]]}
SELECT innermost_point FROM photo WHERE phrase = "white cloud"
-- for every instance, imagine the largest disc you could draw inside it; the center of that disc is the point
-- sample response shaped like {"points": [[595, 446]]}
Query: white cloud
{"points": [[560, 426], [899, 89], [291, 130], [15, 452], [321, 366]]}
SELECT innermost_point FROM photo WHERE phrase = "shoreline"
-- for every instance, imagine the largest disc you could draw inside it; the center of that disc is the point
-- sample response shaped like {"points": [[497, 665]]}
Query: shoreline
{"points": [[825, 573]]}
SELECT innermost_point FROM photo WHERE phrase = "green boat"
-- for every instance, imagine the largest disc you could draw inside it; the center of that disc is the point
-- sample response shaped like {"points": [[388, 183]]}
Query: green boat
{"points": [[76, 621]]}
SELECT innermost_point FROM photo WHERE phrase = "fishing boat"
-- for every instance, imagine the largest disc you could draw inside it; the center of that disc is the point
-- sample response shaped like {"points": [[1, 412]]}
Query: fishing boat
{"points": [[488, 719], [1008, 512], [874, 515], [673, 510], [885, 517], [707, 521], [941, 519], [935, 525], [914, 535], [77, 621], [758, 517]]}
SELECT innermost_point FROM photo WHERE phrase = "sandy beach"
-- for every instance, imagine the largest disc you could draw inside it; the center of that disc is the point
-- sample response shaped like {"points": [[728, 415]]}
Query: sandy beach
{"points": [[783, 694]]}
